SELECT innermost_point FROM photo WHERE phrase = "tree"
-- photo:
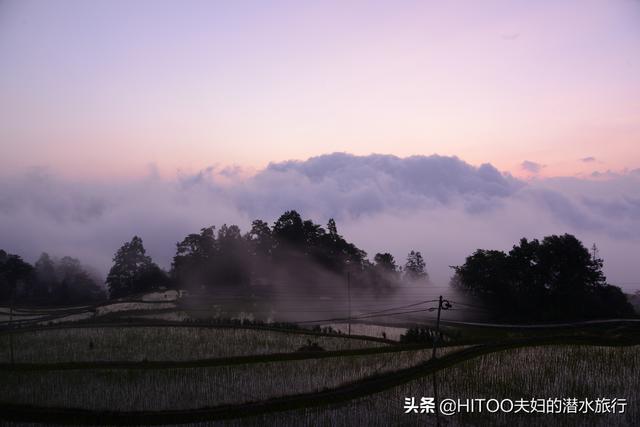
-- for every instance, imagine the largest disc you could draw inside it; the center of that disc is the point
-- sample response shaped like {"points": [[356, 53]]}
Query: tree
{"points": [[15, 275], [260, 238], [133, 271], [414, 268], [384, 275], [232, 262], [385, 262], [553, 279], [484, 274], [76, 285], [635, 301], [45, 277], [313, 234], [289, 228], [331, 226], [193, 263], [260, 246]]}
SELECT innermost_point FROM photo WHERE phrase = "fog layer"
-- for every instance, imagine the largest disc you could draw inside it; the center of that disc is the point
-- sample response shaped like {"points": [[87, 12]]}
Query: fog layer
{"points": [[441, 206]]}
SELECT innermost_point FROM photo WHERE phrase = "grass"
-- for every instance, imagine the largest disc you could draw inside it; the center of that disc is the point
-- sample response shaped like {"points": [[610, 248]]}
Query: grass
{"points": [[389, 332], [135, 390], [480, 334], [535, 372], [538, 372], [158, 343], [184, 388]]}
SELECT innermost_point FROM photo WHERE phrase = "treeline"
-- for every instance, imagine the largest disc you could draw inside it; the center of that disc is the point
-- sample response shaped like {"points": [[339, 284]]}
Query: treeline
{"points": [[50, 281], [295, 254], [553, 279]]}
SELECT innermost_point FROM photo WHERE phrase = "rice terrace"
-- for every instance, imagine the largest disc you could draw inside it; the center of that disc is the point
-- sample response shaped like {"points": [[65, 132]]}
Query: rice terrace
{"points": [[291, 324], [120, 363]]}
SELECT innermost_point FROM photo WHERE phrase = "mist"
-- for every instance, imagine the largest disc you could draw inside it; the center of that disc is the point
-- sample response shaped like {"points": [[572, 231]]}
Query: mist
{"points": [[441, 206]]}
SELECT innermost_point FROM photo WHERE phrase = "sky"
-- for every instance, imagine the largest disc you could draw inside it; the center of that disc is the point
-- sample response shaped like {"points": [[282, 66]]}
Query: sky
{"points": [[428, 125], [106, 88]]}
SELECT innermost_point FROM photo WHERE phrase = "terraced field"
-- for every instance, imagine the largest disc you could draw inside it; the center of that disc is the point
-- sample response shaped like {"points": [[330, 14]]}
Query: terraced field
{"points": [[138, 343], [198, 374]]}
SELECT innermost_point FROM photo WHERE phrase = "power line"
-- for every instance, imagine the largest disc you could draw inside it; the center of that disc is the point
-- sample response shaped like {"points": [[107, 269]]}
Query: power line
{"points": [[405, 306], [469, 305], [342, 319], [401, 310]]}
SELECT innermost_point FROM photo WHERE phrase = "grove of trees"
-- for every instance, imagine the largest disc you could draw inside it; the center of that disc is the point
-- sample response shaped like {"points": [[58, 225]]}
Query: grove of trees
{"points": [[556, 278], [293, 252], [553, 279], [50, 281], [298, 253]]}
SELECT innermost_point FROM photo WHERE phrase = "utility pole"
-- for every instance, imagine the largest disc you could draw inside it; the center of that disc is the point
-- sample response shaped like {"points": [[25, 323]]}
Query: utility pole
{"points": [[349, 297], [443, 304], [13, 297], [437, 334]]}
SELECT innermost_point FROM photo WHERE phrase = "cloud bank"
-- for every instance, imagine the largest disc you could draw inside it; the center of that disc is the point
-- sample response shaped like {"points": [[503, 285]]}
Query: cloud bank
{"points": [[442, 206], [531, 167]]}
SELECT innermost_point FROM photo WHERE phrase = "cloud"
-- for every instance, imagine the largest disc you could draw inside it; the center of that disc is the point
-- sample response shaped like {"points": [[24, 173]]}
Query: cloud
{"points": [[90, 220], [344, 185], [589, 159], [510, 36], [532, 167], [440, 205], [608, 174]]}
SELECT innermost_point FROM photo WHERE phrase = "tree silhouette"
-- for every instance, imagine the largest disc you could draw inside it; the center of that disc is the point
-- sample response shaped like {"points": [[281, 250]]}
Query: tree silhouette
{"points": [[133, 271], [293, 251], [15, 275], [553, 279], [289, 229], [45, 272], [76, 285], [332, 227], [260, 238], [415, 267], [231, 265], [385, 262], [192, 265]]}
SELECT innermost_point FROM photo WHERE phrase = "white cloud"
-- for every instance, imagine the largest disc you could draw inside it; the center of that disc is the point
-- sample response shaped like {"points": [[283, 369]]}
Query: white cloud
{"points": [[440, 205], [531, 167]]}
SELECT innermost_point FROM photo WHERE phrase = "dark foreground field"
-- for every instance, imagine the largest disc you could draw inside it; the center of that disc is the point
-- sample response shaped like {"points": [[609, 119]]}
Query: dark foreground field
{"points": [[163, 373]]}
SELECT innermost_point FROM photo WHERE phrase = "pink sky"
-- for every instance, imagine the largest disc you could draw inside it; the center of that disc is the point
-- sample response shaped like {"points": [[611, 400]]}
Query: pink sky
{"points": [[108, 88]]}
